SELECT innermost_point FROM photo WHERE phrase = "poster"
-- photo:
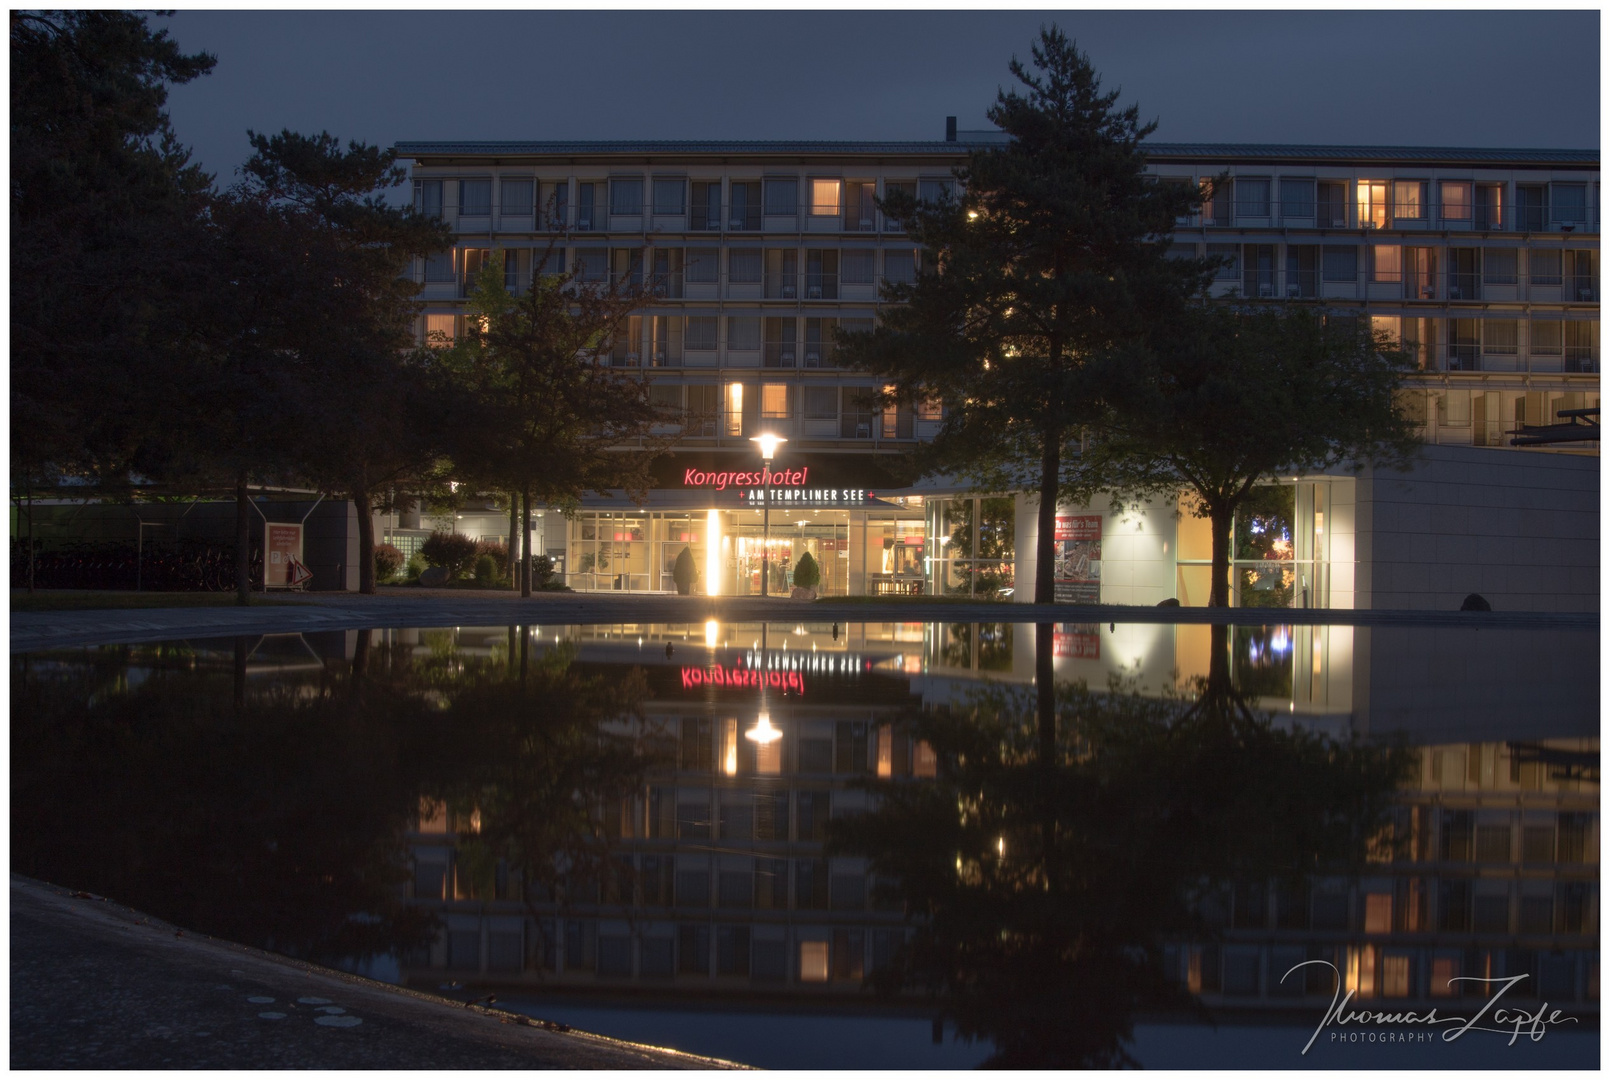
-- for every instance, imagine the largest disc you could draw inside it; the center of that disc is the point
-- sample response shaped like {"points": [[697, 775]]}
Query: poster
{"points": [[1078, 559], [282, 556]]}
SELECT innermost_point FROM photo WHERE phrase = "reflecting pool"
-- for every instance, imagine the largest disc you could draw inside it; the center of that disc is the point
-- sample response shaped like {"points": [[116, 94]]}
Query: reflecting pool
{"points": [[868, 845]]}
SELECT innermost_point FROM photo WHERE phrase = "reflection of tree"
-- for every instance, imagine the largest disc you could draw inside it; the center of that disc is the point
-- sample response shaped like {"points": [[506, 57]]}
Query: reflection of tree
{"points": [[274, 812], [1061, 842], [992, 643]]}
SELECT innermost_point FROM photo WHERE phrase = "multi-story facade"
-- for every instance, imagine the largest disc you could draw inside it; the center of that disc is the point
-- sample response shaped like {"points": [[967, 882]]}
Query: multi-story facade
{"points": [[1484, 263]]}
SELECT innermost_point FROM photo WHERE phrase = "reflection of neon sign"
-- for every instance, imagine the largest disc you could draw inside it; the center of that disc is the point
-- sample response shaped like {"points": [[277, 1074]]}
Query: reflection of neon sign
{"points": [[742, 679]]}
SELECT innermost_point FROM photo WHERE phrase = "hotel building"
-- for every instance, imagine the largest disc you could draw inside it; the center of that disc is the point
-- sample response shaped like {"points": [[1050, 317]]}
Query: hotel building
{"points": [[1483, 262]]}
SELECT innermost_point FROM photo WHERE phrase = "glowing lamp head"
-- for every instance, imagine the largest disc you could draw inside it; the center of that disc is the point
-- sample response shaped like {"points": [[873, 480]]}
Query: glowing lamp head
{"points": [[763, 732], [768, 444]]}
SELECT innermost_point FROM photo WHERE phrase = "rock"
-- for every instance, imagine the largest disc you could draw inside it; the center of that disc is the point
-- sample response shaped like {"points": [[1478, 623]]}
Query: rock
{"points": [[802, 594], [1475, 602], [434, 577], [1170, 602]]}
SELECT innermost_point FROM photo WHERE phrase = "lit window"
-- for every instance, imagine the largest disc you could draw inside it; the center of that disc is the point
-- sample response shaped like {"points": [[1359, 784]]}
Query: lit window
{"points": [[1455, 200], [1392, 327], [813, 961], [735, 408], [1372, 204], [925, 763], [1408, 200], [1443, 970], [1378, 913], [825, 197], [929, 408], [1395, 976], [891, 426], [440, 330], [774, 401]]}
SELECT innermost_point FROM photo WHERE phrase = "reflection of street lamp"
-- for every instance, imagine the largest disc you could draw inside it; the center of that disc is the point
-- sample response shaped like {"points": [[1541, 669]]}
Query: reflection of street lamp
{"points": [[768, 446], [763, 732]]}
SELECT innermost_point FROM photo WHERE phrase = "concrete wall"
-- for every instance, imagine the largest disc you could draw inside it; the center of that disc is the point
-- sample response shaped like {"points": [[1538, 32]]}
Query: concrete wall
{"points": [[1138, 549], [1521, 528]]}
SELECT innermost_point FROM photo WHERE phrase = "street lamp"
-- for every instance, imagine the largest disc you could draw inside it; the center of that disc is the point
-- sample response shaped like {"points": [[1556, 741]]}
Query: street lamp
{"points": [[768, 446]]}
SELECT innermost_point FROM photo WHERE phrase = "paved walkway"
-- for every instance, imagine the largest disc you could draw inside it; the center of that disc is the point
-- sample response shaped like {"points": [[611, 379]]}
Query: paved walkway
{"points": [[95, 985], [397, 607]]}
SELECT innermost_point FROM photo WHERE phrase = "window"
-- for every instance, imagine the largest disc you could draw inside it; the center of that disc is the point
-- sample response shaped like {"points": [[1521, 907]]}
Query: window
{"points": [[666, 399], [1388, 262], [1252, 197], [1571, 204], [1331, 206], [1372, 204], [703, 265], [774, 401], [855, 266], [1499, 338], [859, 207], [743, 333], [1456, 204], [1531, 206], [931, 191], [930, 408], [475, 198], [745, 205], [439, 267], [900, 267], [552, 261], [1547, 337], [706, 205], [821, 403], [813, 961], [626, 195], [1216, 201], [1340, 263], [592, 264], [556, 203], [669, 192], [735, 409], [701, 334], [1230, 268], [782, 196], [1408, 200], [1489, 206], [1498, 266], [441, 330], [587, 206], [743, 266], [519, 197], [1544, 267], [428, 197], [826, 197]]}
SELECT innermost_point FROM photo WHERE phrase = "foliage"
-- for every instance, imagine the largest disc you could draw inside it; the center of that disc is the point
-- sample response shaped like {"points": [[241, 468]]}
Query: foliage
{"points": [[807, 575], [683, 572], [1221, 397], [1052, 257], [454, 551], [413, 568], [486, 570], [388, 560], [541, 572], [497, 551]]}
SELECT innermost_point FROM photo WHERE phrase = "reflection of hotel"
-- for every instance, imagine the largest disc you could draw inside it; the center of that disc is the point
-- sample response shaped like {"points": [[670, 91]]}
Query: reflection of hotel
{"points": [[1495, 874], [1484, 263]]}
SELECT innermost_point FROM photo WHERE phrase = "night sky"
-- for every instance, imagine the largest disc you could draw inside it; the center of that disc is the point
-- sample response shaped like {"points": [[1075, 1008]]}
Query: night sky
{"points": [[1514, 79]]}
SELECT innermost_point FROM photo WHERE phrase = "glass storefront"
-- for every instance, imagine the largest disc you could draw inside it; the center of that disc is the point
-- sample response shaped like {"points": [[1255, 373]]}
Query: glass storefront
{"points": [[632, 551], [1280, 557], [971, 548]]}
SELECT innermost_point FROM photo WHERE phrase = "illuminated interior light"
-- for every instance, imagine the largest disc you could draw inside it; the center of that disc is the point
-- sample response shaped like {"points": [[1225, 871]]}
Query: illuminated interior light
{"points": [[729, 760], [712, 554]]}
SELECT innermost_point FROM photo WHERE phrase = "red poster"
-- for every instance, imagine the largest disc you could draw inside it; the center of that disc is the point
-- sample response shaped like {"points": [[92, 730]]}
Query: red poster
{"points": [[282, 556], [1078, 559]]}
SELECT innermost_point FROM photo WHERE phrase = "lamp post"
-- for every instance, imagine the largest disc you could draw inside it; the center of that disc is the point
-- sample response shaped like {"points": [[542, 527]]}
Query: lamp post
{"points": [[768, 446]]}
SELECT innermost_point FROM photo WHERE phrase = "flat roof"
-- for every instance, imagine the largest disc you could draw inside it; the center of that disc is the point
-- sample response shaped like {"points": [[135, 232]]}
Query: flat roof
{"points": [[967, 140]]}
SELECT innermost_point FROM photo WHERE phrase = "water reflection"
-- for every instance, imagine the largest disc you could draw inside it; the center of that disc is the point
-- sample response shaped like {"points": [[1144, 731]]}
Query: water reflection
{"points": [[1016, 839]]}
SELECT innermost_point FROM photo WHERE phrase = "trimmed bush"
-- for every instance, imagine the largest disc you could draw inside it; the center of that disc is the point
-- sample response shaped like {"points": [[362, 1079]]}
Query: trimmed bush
{"points": [[541, 572], [453, 552], [807, 575], [486, 570], [413, 568], [388, 560], [683, 572], [498, 550]]}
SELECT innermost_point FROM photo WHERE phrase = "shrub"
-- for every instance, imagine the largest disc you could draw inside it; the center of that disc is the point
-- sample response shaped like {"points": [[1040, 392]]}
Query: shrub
{"points": [[388, 560], [486, 570], [454, 552], [683, 572], [415, 566], [498, 550], [541, 572], [807, 575]]}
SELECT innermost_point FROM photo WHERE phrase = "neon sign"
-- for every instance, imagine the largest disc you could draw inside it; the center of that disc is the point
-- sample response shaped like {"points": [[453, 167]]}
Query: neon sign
{"points": [[764, 478]]}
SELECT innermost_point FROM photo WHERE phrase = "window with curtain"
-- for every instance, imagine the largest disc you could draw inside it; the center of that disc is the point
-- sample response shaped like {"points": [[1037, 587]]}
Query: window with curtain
{"points": [[1499, 337], [931, 191], [774, 401], [743, 333], [701, 334], [743, 266], [826, 197], [856, 266], [703, 265], [900, 267], [1372, 207], [1455, 197], [1498, 266], [1230, 268], [1340, 263], [782, 195], [1388, 262], [1570, 203], [519, 197], [821, 402], [1546, 337], [1408, 200], [1252, 196], [669, 194], [428, 197], [592, 264], [475, 198], [1544, 267], [439, 267], [626, 195], [1296, 198]]}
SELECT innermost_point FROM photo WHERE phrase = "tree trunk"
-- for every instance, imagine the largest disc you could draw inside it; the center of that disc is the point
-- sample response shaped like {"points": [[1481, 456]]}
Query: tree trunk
{"points": [[240, 673], [366, 541], [1045, 590], [1219, 594], [28, 487], [243, 542], [525, 548], [516, 541], [1045, 691], [360, 657]]}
